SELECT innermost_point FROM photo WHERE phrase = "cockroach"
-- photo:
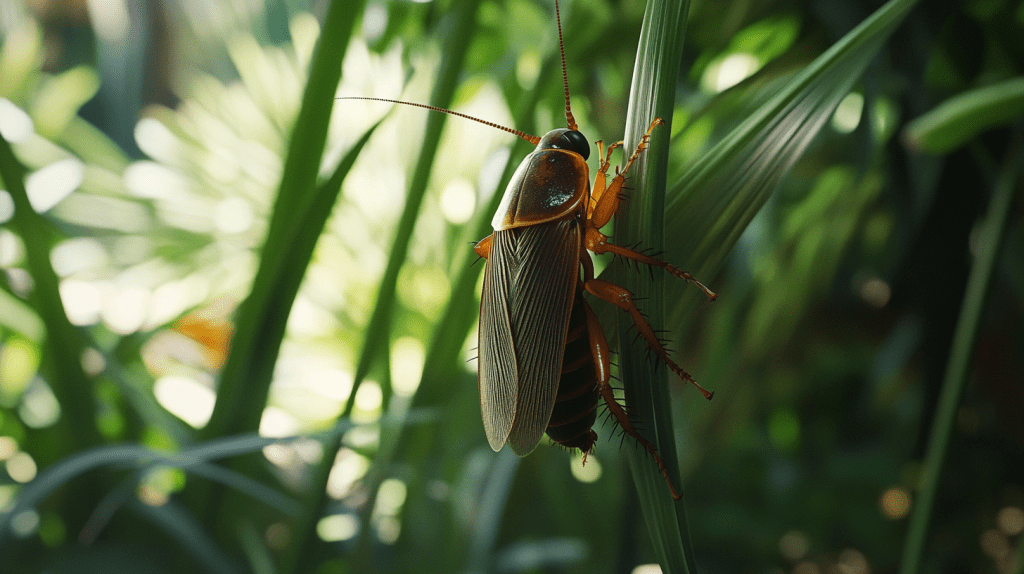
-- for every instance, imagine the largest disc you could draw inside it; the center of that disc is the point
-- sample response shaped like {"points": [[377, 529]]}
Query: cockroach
{"points": [[544, 361]]}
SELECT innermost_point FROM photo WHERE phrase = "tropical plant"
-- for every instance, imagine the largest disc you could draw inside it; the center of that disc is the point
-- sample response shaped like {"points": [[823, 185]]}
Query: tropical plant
{"points": [[238, 341]]}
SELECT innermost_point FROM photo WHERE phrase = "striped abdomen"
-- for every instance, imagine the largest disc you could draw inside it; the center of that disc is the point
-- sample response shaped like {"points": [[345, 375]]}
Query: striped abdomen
{"points": [[575, 409]]}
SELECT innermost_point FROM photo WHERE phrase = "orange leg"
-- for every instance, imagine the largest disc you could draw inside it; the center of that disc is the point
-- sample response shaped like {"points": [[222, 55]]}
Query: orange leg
{"points": [[604, 202], [597, 242], [621, 297], [606, 199], [602, 173], [602, 363]]}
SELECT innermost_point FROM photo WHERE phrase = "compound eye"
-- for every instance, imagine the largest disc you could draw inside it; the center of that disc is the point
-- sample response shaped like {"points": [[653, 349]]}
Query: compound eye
{"points": [[575, 141]]}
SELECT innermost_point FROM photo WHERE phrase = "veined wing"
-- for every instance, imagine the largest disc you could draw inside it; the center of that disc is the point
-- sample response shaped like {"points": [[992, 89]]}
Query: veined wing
{"points": [[543, 285], [498, 374], [529, 283]]}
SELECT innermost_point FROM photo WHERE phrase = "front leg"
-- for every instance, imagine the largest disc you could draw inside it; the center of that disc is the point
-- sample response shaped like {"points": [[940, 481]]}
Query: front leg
{"points": [[606, 200], [601, 178]]}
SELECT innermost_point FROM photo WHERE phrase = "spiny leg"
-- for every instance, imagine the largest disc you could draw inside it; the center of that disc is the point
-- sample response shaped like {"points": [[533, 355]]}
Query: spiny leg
{"points": [[602, 173], [607, 198], [621, 297], [597, 242], [602, 363]]}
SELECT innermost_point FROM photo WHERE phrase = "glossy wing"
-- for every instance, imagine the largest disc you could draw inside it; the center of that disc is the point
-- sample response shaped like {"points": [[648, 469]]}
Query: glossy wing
{"points": [[542, 287], [498, 374]]}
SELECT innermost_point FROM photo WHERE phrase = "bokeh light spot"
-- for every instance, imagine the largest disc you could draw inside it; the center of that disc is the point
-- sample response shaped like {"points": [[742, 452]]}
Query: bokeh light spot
{"points": [[425, 289], [159, 484], [21, 468], [8, 447], [6, 206], [19, 360], [390, 497], [729, 71], [388, 529], [994, 543], [278, 536], [83, 301], [25, 523], [847, 115], [853, 562], [155, 181], [110, 20], [47, 186], [186, 398], [369, 397], [15, 124], [278, 423], [337, 528], [156, 140], [79, 254], [875, 292], [407, 357], [375, 22], [39, 407], [895, 503], [794, 545], [458, 201], [347, 469], [8, 492], [587, 473], [125, 311], [527, 70], [1011, 520]]}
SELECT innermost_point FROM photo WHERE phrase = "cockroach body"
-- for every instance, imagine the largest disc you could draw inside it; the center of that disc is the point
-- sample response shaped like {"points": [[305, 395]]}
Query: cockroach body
{"points": [[544, 361]]}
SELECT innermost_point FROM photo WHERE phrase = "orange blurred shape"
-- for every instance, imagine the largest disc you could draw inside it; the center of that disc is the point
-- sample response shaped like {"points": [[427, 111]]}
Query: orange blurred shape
{"points": [[212, 330]]}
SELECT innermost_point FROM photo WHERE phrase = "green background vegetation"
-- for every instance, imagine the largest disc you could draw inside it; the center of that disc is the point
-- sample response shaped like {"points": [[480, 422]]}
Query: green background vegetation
{"points": [[238, 316]]}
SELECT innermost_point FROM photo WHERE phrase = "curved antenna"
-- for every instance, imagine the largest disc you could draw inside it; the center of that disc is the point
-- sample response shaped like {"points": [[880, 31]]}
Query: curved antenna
{"points": [[532, 139], [569, 120]]}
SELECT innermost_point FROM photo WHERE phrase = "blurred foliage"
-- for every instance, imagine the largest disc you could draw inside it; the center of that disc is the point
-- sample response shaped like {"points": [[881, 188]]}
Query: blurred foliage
{"points": [[207, 226]]}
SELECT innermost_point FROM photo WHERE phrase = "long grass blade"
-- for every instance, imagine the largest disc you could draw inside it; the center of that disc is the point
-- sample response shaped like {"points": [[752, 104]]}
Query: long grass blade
{"points": [[715, 199], [653, 95], [708, 208], [65, 343], [962, 117], [295, 225], [463, 14], [463, 18], [990, 239], [261, 319]]}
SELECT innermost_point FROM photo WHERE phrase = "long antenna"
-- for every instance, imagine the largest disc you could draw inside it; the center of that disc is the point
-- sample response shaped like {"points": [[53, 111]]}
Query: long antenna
{"points": [[532, 139], [571, 121]]}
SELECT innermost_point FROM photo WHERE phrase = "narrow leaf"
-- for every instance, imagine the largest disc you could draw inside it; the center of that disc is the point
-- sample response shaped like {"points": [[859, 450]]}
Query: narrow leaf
{"points": [[653, 95], [990, 239], [707, 210], [957, 120], [65, 343], [709, 207]]}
